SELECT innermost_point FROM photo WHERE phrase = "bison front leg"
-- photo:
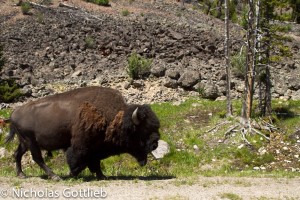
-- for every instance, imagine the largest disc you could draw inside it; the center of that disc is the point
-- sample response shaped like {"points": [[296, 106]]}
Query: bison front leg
{"points": [[95, 167], [76, 160]]}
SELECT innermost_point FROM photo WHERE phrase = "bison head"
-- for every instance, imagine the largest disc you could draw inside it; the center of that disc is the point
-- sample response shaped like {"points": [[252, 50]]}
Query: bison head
{"points": [[143, 126]]}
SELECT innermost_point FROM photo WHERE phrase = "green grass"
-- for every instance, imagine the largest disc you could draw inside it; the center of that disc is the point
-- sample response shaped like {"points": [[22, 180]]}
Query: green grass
{"points": [[182, 126], [5, 113], [230, 196]]}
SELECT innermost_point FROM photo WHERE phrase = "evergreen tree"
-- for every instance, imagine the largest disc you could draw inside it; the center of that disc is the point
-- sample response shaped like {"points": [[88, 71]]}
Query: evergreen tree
{"points": [[271, 50], [295, 4], [9, 90], [1, 57]]}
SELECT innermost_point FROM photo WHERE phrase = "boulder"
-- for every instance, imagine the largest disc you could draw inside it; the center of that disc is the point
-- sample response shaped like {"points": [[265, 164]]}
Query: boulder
{"points": [[158, 70], [189, 78], [211, 91], [173, 74], [296, 95], [170, 83], [162, 149]]}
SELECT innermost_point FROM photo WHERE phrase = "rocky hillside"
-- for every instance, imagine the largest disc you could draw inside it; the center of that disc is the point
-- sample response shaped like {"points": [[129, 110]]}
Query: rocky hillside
{"points": [[74, 44]]}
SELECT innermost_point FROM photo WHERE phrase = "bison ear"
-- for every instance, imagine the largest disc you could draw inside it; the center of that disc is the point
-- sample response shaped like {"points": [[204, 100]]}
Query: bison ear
{"points": [[134, 117]]}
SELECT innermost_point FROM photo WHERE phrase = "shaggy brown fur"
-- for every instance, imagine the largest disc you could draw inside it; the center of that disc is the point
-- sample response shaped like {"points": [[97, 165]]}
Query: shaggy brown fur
{"points": [[90, 127], [114, 129]]}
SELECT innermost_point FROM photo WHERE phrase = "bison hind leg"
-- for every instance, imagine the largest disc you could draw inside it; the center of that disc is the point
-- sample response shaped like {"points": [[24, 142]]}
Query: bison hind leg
{"points": [[37, 157], [76, 161], [21, 150]]}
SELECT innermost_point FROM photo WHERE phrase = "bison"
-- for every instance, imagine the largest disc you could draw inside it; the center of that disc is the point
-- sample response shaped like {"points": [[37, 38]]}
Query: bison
{"points": [[90, 124]]}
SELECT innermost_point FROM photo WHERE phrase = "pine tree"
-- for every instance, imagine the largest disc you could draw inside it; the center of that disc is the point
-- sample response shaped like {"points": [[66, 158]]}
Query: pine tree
{"points": [[1, 57], [272, 49], [295, 4]]}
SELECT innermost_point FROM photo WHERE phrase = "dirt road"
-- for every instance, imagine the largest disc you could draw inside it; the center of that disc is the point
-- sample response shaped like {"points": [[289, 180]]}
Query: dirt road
{"points": [[191, 188]]}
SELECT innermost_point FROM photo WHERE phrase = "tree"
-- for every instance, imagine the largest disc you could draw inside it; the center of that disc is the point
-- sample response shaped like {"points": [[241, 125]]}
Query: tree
{"points": [[271, 48], [265, 46], [1, 57], [250, 62], [228, 71], [9, 90], [295, 4]]}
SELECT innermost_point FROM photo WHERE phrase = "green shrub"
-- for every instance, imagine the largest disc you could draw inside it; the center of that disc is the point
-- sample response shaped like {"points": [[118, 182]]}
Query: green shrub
{"points": [[25, 7], [40, 18], [9, 91], [99, 2], [138, 66], [89, 42], [232, 11], [238, 63], [244, 18], [125, 12]]}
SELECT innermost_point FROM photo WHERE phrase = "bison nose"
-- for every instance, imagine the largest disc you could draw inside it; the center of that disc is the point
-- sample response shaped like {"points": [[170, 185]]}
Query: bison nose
{"points": [[154, 146], [142, 163]]}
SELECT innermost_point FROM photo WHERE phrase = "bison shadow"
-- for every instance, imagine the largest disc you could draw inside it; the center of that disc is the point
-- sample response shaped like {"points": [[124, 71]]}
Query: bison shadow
{"points": [[143, 178], [124, 178], [90, 178]]}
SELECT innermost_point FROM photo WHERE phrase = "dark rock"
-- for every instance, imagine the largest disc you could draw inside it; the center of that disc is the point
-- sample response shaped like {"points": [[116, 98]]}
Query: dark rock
{"points": [[176, 35], [211, 91], [294, 83], [170, 83], [173, 74], [138, 83], [158, 70], [57, 49], [27, 90], [188, 79]]}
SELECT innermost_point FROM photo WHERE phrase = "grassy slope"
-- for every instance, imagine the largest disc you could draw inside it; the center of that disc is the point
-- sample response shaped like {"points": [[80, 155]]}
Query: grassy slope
{"points": [[184, 127]]}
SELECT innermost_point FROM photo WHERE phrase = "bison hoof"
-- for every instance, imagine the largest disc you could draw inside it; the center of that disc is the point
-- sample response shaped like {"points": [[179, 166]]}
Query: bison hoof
{"points": [[21, 175], [101, 177], [55, 178]]}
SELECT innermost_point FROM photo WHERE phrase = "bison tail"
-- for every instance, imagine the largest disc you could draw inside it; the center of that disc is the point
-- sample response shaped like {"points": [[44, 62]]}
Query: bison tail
{"points": [[11, 135], [4, 122]]}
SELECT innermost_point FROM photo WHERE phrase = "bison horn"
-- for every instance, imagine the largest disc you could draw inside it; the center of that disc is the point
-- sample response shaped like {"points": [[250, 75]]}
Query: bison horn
{"points": [[135, 117]]}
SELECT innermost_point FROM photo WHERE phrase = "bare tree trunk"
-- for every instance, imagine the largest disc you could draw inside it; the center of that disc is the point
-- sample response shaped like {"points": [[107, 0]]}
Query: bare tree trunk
{"points": [[268, 107], [228, 71], [250, 63], [182, 3], [268, 92]]}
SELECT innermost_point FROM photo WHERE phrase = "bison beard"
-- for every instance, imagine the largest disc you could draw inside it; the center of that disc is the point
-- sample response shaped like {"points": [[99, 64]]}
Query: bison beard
{"points": [[91, 123]]}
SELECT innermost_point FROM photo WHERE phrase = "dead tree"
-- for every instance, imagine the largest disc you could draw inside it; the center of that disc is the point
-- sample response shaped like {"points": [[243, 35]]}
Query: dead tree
{"points": [[228, 71], [250, 63]]}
